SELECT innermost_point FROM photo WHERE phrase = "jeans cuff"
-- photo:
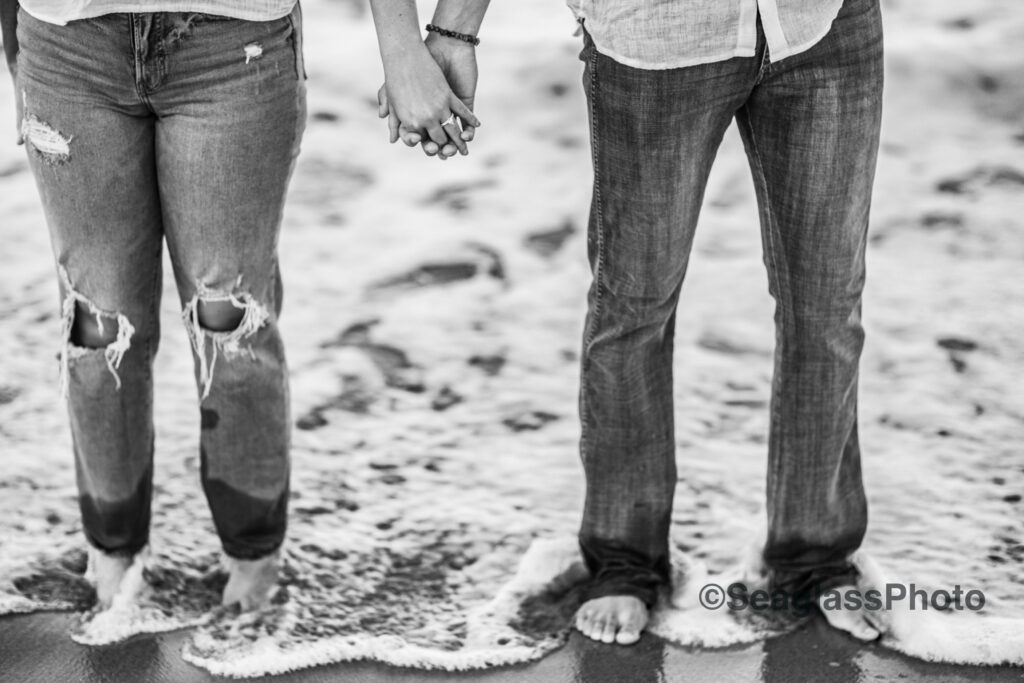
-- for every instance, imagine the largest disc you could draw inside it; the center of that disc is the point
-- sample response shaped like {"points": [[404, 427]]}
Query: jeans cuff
{"points": [[249, 553], [814, 580], [617, 570], [123, 552]]}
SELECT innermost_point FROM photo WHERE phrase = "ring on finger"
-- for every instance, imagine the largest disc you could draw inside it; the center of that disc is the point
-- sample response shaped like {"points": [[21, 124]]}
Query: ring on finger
{"points": [[449, 120]]}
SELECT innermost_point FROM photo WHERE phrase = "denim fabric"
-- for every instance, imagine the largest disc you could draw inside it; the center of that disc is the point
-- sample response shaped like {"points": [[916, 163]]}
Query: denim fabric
{"points": [[148, 127], [810, 126]]}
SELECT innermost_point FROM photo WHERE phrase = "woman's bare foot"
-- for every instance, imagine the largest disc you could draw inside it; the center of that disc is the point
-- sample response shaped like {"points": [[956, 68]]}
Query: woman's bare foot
{"points": [[250, 582], [614, 619], [857, 622], [106, 573]]}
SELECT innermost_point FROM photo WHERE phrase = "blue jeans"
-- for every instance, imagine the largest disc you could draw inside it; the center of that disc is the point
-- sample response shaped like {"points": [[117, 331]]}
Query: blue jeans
{"points": [[810, 126], [148, 127]]}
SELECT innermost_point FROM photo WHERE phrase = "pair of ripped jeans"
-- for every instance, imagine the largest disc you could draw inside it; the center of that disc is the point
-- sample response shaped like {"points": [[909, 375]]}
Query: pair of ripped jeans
{"points": [[810, 127], [148, 127]]}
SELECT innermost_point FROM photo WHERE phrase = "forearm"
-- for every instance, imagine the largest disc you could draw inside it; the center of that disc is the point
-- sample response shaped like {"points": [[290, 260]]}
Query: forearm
{"points": [[462, 16], [398, 32], [8, 30]]}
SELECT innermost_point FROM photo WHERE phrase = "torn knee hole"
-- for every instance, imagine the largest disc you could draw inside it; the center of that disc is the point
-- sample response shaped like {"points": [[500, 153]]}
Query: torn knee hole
{"points": [[89, 330], [85, 327], [219, 316], [218, 322]]}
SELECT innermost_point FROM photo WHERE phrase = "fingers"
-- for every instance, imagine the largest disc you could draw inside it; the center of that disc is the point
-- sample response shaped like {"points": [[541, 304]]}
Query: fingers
{"points": [[431, 148], [439, 137], [409, 137], [460, 109], [455, 135], [393, 126], [443, 139], [437, 134]]}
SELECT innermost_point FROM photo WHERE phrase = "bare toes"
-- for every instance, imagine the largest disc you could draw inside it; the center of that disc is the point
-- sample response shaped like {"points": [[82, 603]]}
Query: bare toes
{"points": [[608, 631], [584, 622]]}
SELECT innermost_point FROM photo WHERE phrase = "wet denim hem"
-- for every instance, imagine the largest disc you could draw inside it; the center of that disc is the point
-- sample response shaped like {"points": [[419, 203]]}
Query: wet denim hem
{"points": [[814, 581], [617, 570], [249, 553]]}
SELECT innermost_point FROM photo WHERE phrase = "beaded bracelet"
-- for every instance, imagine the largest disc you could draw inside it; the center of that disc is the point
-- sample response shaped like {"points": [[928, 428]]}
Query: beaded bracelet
{"points": [[473, 40]]}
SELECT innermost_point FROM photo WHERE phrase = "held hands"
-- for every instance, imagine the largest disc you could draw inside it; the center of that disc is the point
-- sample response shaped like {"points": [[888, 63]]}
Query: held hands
{"points": [[429, 101]]}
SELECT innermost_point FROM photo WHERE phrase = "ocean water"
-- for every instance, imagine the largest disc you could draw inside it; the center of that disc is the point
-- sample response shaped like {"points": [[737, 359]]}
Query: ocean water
{"points": [[433, 317]]}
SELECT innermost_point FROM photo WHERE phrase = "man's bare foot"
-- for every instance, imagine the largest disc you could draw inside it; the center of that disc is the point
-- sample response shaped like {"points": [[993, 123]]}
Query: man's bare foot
{"points": [[250, 582], [614, 619], [106, 573], [861, 623]]}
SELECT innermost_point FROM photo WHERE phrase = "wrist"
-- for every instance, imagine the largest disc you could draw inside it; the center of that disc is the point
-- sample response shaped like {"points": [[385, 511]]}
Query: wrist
{"points": [[438, 44], [444, 35]]}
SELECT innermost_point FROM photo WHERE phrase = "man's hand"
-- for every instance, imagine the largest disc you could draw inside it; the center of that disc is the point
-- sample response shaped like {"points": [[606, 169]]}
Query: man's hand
{"points": [[418, 100], [416, 74], [457, 62]]}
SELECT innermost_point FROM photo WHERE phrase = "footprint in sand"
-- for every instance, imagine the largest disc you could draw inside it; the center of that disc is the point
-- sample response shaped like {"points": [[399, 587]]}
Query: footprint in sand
{"points": [[456, 197], [478, 259], [957, 347], [547, 243], [58, 579], [326, 116], [1005, 177], [445, 399], [490, 365], [8, 394], [530, 421], [399, 372], [939, 220], [359, 393], [961, 24]]}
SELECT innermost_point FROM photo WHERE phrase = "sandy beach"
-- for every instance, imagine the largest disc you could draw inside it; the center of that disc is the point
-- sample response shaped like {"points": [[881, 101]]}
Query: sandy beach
{"points": [[433, 314]]}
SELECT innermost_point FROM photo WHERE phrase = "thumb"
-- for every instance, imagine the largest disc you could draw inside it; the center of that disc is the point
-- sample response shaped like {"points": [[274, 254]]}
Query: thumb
{"points": [[382, 102]]}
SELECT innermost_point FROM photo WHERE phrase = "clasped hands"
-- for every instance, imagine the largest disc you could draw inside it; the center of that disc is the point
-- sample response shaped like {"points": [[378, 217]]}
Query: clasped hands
{"points": [[428, 94]]}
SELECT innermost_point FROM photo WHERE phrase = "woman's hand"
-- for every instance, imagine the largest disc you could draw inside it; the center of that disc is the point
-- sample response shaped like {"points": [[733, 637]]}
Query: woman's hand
{"points": [[419, 77], [457, 62], [418, 99]]}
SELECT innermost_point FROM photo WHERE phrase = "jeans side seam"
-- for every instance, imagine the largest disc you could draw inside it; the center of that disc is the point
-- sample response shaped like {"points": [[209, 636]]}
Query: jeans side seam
{"points": [[295, 21], [769, 227], [154, 289], [599, 265]]}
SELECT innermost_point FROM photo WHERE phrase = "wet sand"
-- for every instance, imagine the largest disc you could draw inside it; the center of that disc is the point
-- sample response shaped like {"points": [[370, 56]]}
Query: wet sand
{"points": [[36, 648]]}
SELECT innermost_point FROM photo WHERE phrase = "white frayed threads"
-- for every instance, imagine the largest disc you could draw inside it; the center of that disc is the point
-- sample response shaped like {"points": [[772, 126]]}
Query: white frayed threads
{"points": [[48, 142], [254, 317], [253, 51], [113, 353]]}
